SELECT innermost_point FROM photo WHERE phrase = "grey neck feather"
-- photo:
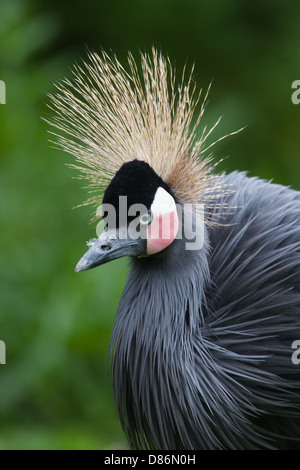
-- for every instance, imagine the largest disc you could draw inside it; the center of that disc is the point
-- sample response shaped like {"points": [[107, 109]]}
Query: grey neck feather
{"points": [[162, 305]]}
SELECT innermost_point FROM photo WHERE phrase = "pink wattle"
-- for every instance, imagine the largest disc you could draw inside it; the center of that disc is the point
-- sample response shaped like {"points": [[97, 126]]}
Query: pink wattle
{"points": [[161, 232]]}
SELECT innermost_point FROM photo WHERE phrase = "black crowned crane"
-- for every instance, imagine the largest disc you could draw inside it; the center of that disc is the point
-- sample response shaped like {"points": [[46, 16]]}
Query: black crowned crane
{"points": [[204, 336]]}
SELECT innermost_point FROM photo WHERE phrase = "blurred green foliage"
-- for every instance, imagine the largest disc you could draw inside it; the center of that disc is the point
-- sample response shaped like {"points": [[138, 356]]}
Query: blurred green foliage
{"points": [[55, 390]]}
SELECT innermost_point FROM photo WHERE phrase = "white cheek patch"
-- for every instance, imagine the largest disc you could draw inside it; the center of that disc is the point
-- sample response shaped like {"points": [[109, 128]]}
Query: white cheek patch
{"points": [[164, 226]]}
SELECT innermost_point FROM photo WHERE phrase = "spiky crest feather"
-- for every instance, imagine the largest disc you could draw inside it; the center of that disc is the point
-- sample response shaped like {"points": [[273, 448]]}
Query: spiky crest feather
{"points": [[108, 116]]}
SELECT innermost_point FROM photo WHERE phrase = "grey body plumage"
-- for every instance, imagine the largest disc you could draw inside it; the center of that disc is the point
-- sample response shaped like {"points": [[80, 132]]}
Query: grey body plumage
{"points": [[202, 340]]}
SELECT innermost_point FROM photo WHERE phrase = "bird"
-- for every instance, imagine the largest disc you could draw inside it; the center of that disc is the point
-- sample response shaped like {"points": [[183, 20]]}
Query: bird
{"points": [[202, 342]]}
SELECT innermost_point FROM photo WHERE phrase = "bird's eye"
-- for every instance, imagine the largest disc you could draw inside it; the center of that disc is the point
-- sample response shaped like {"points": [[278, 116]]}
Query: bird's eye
{"points": [[146, 219]]}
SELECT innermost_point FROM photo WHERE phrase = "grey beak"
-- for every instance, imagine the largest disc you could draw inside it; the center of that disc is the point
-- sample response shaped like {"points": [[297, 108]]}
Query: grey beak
{"points": [[110, 246]]}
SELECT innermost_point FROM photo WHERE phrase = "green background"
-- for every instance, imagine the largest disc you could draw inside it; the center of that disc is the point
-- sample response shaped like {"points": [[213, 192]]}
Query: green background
{"points": [[55, 390]]}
